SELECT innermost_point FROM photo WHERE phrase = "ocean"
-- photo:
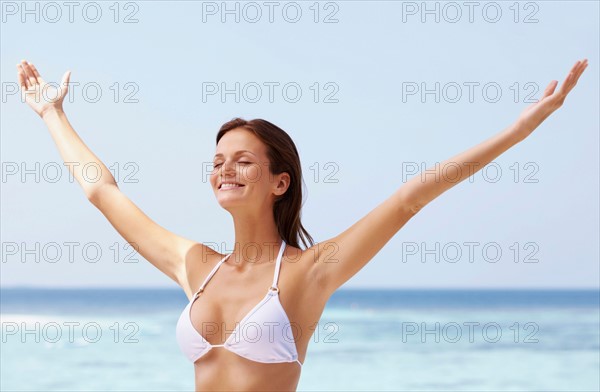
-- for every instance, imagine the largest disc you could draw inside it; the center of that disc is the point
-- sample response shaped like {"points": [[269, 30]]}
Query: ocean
{"points": [[385, 340]]}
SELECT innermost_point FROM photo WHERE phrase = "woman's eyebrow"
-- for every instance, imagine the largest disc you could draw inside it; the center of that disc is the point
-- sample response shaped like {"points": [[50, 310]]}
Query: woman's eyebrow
{"points": [[236, 153]]}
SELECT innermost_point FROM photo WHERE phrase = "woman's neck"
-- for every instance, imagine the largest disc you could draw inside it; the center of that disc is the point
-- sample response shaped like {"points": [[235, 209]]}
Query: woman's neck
{"points": [[257, 241]]}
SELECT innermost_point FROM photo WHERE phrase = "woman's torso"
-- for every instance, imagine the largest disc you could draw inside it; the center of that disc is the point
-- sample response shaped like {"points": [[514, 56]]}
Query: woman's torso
{"points": [[229, 295]]}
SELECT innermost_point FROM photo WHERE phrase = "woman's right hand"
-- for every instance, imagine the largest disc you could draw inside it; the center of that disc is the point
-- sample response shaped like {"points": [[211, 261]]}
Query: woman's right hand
{"points": [[39, 95]]}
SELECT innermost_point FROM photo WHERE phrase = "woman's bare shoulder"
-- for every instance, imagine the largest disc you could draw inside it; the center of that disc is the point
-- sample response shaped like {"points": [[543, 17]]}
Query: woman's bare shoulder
{"points": [[199, 260]]}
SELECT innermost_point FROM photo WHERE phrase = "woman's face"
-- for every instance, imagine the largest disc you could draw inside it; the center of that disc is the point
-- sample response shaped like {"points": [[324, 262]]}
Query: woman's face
{"points": [[240, 174]]}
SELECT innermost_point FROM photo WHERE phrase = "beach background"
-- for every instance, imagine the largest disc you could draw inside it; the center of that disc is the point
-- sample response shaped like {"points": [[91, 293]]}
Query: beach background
{"points": [[373, 93], [401, 340]]}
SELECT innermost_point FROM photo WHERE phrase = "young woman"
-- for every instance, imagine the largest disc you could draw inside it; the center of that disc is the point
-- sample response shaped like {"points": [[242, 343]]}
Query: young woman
{"points": [[268, 282]]}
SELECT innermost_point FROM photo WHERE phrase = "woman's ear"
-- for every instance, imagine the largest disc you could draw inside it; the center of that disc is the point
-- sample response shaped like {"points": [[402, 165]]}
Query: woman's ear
{"points": [[283, 184]]}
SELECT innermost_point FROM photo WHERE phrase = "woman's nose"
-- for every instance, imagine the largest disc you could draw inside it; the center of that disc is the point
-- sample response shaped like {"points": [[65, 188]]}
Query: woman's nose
{"points": [[227, 167]]}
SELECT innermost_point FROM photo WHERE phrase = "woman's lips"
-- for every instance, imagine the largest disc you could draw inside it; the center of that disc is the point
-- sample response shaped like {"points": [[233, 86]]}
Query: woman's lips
{"points": [[230, 188]]}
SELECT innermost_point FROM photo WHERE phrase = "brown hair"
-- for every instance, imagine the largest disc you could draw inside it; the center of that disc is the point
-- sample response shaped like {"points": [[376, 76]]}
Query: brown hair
{"points": [[283, 157]]}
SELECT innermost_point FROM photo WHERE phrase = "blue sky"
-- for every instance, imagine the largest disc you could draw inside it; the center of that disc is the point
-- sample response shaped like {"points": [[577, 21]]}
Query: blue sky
{"points": [[348, 80]]}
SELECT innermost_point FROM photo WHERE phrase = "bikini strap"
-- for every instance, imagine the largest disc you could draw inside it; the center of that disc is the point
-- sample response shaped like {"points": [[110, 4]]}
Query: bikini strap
{"points": [[277, 268], [216, 267]]}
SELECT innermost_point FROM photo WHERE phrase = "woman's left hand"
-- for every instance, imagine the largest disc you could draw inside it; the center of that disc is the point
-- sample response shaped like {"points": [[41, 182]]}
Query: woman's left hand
{"points": [[537, 112]]}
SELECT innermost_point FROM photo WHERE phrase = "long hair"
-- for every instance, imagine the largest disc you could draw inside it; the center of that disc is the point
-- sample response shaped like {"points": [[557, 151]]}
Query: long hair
{"points": [[283, 157]]}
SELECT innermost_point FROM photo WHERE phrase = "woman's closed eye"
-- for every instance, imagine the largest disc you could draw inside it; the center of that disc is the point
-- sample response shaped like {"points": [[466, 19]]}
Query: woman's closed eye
{"points": [[216, 165]]}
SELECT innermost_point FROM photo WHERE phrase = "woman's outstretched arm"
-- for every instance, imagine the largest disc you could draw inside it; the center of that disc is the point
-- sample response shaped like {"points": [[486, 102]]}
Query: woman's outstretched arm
{"points": [[341, 257], [47, 101], [168, 252], [420, 190]]}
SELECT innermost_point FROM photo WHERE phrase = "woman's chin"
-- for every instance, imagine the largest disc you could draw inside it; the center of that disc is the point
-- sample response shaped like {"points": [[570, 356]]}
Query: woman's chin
{"points": [[228, 201]]}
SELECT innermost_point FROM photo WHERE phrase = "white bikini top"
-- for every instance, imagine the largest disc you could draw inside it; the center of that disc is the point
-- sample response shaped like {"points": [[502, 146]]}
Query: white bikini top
{"points": [[263, 335]]}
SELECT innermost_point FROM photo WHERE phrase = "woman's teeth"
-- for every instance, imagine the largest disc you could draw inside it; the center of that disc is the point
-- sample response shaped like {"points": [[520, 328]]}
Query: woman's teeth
{"points": [[229, 186]]}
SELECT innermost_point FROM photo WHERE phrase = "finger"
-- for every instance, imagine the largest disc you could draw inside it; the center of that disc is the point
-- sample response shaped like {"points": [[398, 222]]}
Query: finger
{"points": [[22, 79], [28, 73], [566, 85], [582, 68], [577, 71], [35, 72], [550, 89], [65, 82], [568, 82], [573, 76]]}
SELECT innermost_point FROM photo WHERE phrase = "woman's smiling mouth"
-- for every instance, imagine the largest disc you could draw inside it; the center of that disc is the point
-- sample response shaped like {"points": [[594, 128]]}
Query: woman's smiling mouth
{"points": [[229, 185]]}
